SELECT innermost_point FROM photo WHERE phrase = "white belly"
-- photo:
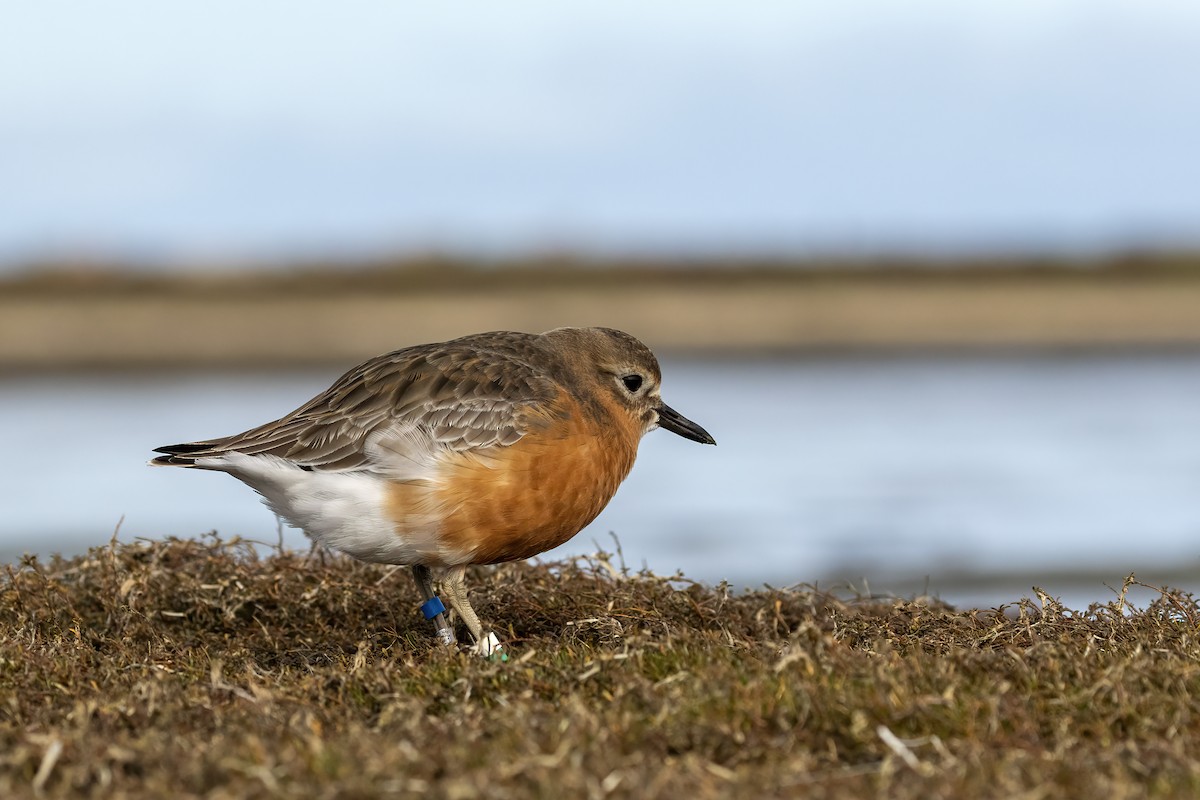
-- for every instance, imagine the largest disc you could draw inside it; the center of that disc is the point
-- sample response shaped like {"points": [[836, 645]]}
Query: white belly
{"points": [[346, 511]]}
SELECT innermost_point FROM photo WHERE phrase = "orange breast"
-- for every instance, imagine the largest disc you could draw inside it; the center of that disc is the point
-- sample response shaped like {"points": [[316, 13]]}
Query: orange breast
{"points": [[514, 502]]}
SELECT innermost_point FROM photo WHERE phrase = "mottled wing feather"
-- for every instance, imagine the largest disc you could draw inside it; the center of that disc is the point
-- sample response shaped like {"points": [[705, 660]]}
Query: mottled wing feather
{"points": [[466, 394]]}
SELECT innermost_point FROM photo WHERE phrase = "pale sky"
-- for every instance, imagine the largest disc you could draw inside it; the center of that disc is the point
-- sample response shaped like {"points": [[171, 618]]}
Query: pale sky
{"points": [[286, 128]]}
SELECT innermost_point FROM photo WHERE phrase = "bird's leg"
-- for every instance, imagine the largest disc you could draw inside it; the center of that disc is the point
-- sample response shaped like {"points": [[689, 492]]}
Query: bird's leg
{"points": [[453, 584], [432, 608], [456, 592], [316, 554]]}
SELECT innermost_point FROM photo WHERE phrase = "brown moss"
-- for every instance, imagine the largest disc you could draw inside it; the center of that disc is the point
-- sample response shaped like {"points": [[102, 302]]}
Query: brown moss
{"points": [[206, 668]]}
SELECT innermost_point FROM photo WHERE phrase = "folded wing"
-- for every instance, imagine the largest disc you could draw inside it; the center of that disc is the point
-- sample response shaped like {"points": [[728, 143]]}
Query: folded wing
{"points": [[456, 395]]}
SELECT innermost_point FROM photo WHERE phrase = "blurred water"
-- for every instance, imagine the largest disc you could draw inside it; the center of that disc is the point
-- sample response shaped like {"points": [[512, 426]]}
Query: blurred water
{"points": [[1009, 471]]}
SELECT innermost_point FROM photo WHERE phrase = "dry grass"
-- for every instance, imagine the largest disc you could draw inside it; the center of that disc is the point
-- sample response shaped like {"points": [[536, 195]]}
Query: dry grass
{"points": [[201, 668]]}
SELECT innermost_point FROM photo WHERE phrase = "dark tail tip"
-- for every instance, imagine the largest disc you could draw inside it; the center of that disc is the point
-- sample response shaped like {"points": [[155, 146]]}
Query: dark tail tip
{"points": [[177, 454], [181, 449]]}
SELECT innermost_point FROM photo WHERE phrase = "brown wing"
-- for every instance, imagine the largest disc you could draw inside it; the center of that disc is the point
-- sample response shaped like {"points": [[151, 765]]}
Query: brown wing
{"points": [[465, 394]]}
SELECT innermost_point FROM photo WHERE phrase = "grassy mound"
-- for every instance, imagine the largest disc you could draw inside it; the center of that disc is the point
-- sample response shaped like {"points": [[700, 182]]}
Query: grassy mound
{"points": [[202, 668]]}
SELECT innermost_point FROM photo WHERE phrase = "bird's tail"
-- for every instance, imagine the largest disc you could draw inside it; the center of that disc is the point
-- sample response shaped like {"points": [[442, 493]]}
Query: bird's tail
{"points": [[183, 455]]}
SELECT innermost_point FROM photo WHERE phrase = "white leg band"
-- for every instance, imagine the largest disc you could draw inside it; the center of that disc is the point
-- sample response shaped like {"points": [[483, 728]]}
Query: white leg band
{"points": [[489, 645]]}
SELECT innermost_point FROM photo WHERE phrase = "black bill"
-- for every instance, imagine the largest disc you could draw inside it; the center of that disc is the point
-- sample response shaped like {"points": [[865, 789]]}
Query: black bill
{"points": [[675, 422]]}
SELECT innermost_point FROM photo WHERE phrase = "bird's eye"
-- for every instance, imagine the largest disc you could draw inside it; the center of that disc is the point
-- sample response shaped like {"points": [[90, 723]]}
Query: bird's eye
{"points": [[632, 382]]}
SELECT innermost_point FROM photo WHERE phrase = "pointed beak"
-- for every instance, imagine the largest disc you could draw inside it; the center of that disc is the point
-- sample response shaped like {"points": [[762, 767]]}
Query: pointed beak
{"points": [[675, 422]]}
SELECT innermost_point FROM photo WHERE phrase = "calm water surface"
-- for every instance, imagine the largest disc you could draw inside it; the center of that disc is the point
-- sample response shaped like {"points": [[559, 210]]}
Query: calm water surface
{"points": [[974, 478]]}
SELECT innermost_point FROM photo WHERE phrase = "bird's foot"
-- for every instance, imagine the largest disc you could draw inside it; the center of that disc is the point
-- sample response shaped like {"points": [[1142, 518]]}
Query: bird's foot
{"points": [[490, 647]]}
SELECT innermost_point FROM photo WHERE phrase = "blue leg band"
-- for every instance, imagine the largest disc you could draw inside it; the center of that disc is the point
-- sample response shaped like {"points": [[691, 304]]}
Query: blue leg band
{"points": [[432, 607]]}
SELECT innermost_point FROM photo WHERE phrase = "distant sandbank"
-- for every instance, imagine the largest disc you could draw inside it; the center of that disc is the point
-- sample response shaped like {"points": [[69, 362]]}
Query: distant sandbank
{"points": [[327, 317]]}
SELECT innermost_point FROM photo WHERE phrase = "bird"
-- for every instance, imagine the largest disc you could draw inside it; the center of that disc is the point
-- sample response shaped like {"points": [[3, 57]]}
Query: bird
{"points": [[484, 449]]}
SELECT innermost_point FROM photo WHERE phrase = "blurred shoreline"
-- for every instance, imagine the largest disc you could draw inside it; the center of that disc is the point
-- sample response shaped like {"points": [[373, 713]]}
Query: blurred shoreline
{"points": [[65, 318]]}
